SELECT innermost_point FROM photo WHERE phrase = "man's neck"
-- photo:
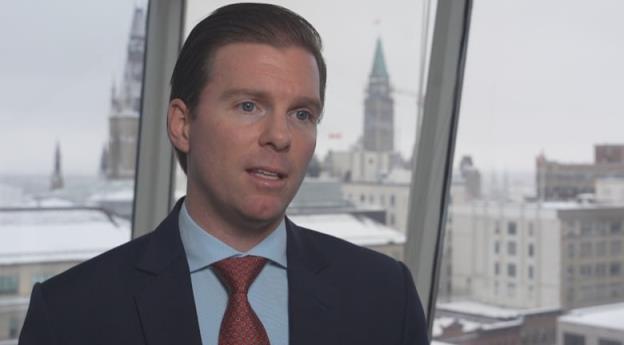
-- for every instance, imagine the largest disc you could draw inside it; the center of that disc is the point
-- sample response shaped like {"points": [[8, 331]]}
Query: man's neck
{"points": [[240, 234]]}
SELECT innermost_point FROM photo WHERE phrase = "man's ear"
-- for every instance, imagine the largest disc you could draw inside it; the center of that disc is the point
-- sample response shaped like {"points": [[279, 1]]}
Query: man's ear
{"points": [[178, 124]]}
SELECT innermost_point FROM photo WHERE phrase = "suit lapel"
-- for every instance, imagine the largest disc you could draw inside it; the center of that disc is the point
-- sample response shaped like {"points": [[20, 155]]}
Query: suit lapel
{"points": [[165, 300], [313, 308]]}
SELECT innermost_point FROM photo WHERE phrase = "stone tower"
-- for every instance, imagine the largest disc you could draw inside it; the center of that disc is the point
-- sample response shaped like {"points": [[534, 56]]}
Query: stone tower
{"points": [[378, 107], [119, 158]]}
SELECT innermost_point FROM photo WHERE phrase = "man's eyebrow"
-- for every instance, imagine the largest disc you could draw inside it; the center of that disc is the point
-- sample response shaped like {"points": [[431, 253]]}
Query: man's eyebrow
{"points": [[244, 92], [311, 102]]}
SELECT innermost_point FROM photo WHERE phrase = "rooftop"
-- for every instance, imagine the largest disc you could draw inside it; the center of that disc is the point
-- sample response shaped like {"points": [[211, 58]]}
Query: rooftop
{"points": [[609, 316], [357, 229], [58, 234]]}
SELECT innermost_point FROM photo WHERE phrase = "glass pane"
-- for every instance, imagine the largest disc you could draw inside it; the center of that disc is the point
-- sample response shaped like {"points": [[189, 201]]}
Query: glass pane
{"points": [[532, 250], [358, 182], [71, 94]]}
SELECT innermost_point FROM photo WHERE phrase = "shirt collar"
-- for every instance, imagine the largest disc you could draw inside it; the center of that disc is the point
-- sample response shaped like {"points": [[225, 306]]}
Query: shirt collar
{"points": [[203, 249]]}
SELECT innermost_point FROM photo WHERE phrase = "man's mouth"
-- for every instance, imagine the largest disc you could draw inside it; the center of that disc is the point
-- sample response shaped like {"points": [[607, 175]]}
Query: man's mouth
{"points": [[263, 173]]}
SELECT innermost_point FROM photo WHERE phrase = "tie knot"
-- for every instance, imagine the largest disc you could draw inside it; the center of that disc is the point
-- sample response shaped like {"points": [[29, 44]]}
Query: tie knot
{"points": [[238, 273]]}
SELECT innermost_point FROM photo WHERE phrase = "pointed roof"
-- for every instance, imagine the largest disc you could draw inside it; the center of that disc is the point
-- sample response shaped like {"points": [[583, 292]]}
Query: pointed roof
{"points": [[138, 23], [379, 64], [57, 158]]}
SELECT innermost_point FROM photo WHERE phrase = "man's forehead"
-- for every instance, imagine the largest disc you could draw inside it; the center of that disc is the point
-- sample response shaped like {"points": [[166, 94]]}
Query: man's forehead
{"points": [[255, 66]]}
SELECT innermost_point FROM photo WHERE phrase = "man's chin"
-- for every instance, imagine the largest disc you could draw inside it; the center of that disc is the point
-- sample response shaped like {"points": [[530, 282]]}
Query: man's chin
{"points": [[264, 213]]}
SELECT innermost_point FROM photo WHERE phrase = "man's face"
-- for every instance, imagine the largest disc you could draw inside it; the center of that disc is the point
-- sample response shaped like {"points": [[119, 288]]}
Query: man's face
{"points": [[253, 132]]}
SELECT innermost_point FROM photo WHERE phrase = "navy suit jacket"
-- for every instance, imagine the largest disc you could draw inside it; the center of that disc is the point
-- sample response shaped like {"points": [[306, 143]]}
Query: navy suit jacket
{"points": [[140, 293]]}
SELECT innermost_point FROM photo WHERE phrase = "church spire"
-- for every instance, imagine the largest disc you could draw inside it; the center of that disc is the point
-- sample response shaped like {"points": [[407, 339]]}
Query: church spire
{"points": [[56, 180], [379, 64]]}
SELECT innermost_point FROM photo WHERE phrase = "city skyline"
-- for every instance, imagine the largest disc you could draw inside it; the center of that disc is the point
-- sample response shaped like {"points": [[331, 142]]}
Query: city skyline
{"points": [[562, 108]]}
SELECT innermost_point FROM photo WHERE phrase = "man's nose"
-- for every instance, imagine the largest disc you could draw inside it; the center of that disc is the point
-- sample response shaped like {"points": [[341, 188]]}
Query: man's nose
{"points": [[276, 131]]}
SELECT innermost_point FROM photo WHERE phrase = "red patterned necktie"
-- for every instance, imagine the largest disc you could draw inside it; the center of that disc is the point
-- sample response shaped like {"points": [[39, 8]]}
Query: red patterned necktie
{"points": [[240, 325]]}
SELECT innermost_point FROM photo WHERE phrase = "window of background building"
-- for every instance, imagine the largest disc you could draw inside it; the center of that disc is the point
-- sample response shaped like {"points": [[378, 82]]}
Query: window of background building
{"points": [[71, 92], [525, 81], [602, 341], [9, 284], [511, 248]]}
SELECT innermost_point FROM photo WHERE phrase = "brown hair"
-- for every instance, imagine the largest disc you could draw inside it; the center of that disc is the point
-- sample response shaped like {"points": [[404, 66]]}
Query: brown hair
{"points": [[236, 23]]}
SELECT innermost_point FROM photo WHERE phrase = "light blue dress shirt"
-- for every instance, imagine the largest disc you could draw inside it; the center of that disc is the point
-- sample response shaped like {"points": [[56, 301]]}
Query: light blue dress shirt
{"points": [[268, 294]]}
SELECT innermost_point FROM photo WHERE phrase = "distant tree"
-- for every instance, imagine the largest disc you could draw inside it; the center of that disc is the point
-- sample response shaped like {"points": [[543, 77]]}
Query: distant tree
{"points": [[314, 167]]}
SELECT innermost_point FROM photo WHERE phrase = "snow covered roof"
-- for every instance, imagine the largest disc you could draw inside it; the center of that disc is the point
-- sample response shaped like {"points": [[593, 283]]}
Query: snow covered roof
{"points": [[357, 229], [605, 316], [58, 234], [488, 310]]}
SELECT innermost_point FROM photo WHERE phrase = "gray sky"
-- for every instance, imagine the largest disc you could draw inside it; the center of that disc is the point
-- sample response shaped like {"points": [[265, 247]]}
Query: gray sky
{"points": [[541, 75]]}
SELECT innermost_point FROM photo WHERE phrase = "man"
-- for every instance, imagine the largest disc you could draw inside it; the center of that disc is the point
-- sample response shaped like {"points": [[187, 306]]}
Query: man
{"points": [[226, 266]]}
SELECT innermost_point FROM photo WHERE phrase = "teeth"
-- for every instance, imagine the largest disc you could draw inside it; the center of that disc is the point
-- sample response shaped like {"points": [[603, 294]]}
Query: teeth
{"points": [[266, 174]]}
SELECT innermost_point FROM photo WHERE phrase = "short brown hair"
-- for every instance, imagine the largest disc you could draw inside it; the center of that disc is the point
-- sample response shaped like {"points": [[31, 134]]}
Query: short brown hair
{"points": [[237, 23]]}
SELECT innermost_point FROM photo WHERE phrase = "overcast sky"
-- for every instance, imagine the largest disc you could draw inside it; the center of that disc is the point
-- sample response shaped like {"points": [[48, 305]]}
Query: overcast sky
{"points": [[540, 76]]}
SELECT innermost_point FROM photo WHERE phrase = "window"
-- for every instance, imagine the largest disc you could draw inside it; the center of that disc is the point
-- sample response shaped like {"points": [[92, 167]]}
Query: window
{"points": [[496, 268], [601, 248], [8, 284], [72, 92], [615, 269], [585, 270], [586, 249], [616, 247], [616, 227], [13, 328], [496, 247], [539, 199], [573, 339], [601, 270], [602, 341]]}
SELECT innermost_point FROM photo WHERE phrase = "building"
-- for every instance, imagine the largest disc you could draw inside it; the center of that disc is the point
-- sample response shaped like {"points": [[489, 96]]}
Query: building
{"points": [[119, 156], [564, 181], [390, 194], [537, 255], [39, 243], [320, 205], [475, 323], [357, 229], [374, 157], [609, 154], [610, 190], [602, 325], [378, 107]]}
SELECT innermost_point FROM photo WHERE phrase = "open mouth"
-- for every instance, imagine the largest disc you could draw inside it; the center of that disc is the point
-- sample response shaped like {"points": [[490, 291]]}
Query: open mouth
{"points": [[262, 173]]}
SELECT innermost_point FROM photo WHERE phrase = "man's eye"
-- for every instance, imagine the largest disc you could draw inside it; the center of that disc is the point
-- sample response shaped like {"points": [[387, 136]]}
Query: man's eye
{"points": [[247, 106], [303, 115]]}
